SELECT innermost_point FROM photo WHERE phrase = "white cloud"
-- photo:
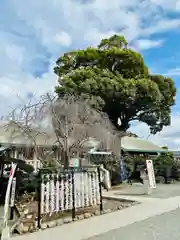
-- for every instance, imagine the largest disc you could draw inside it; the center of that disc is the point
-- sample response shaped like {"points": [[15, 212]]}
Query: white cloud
{"points": [[95, 36], [145, 44], [169, 136], [31, 38], [173, 72], [162, 25], [11, 88], [63, 39], [172, 5], [14, 53]]}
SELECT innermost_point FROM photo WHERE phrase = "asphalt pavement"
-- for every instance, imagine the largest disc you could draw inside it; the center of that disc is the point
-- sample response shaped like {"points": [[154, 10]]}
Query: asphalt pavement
{"points": [[156, 218], [162, 227], [162, 191]]}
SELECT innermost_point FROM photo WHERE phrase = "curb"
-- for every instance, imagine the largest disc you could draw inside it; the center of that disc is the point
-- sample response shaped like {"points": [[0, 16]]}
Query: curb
{"points": [[120, 199]]}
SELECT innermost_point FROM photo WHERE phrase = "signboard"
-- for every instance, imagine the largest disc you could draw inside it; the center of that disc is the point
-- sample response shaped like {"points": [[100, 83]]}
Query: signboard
{"points": [[151, 175], [13, 191], [123, 171], [74, 162], [8, 191]]}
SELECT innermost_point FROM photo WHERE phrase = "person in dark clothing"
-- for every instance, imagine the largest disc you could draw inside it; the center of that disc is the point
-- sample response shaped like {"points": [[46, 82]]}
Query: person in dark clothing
{"points": [[129, 180], [141, 180]]}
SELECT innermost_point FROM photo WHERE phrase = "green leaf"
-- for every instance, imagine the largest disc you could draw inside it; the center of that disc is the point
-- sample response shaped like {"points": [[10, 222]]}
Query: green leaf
{"points": [[117, 77]]}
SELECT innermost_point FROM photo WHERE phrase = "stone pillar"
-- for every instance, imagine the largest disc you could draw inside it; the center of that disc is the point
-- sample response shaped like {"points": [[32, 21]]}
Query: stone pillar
{"points": [[144, 176], [35, 160], [147, 189], [106, 177]]}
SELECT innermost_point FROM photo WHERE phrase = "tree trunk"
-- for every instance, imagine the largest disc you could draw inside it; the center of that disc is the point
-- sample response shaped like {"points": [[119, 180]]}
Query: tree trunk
{"points": [[113, 111], [66, 155], [124, 124], [65, 159]]}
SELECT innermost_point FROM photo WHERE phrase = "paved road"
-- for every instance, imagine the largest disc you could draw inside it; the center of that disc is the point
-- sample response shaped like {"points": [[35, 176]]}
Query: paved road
{"points": [[154, 219], [1, 216], [137, 222], [162, 191], [162, 227]]}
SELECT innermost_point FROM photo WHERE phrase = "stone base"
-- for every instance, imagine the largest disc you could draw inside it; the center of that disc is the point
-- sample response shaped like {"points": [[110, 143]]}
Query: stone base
{"points": [[29, 223], [147, 189]]}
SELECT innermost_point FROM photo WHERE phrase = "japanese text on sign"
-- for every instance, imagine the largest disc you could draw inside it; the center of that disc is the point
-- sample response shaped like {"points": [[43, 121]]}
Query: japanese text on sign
{"points": [[151, 175]]}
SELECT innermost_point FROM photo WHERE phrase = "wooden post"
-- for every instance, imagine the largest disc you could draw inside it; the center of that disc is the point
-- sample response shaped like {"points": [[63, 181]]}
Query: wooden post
{"points": [[100, 189], [73, 196], [39, 199], [13, 193]]}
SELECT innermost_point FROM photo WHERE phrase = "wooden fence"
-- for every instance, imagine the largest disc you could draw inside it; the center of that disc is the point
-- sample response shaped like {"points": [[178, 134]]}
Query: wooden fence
{"points": [[72, 189]]}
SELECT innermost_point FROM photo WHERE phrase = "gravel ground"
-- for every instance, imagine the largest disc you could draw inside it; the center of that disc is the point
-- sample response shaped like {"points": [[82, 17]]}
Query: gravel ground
{"points": [[114, 205], [108, 206], [162, 227]]}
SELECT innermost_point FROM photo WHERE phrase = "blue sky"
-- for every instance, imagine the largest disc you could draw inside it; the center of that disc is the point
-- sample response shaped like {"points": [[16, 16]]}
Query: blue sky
{"points": [[34, 34]]}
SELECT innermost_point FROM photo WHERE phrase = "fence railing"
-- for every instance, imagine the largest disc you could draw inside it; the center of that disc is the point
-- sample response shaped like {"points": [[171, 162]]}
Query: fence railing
{"points": [[35, 163], [69, 190]]}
